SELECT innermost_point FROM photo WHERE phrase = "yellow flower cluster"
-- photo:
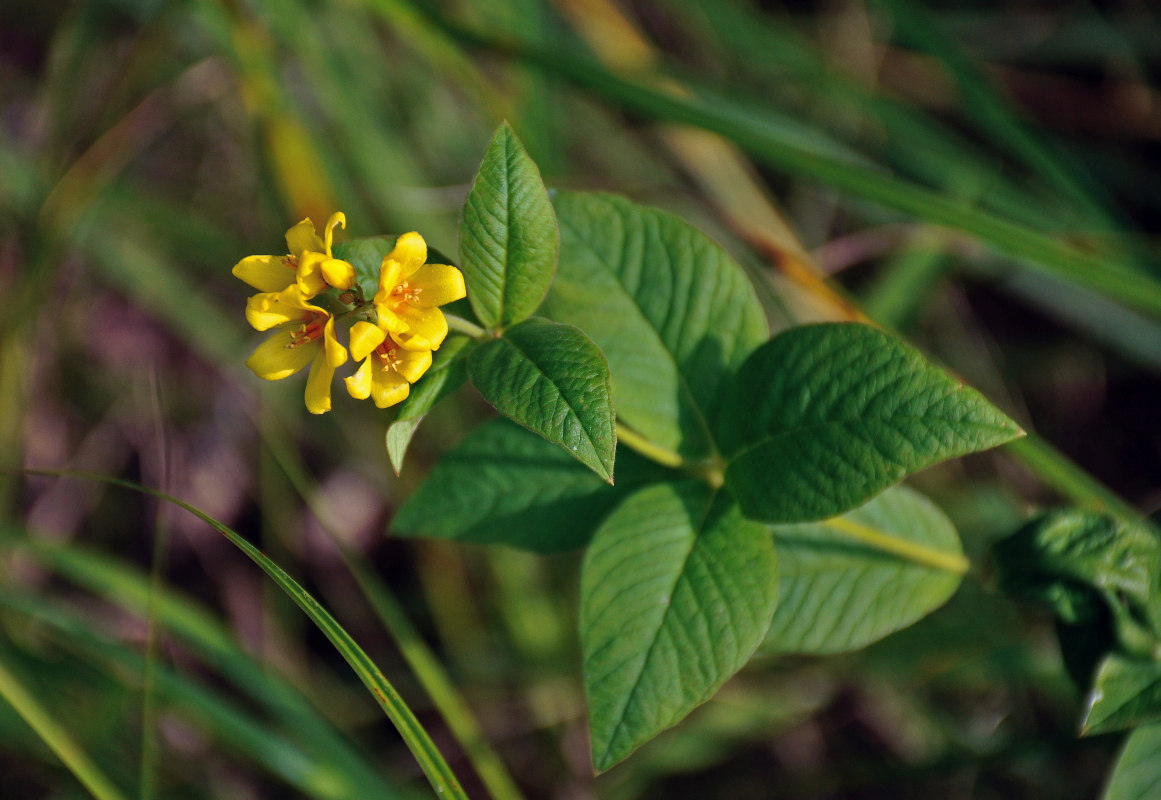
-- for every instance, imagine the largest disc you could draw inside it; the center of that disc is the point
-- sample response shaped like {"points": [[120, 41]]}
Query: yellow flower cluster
{"points": [[395, 347]]}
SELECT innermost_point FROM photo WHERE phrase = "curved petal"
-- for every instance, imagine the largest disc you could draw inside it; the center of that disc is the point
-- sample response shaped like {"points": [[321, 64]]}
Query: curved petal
{"points": [[336, 354], [265, 273], [359, 384], [437, 284], [275, 359], [337, 218], [413, 363], [388, 388], [365, 337], [390, 274], [410, 251], [426, 329], [338, 273], [310, 274], [301, 237], [389, 320], [318, 385], [265, 310]]}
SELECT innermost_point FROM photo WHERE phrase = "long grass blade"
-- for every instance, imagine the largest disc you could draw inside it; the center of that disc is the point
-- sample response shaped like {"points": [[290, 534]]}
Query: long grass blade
{"points": [[438, 773]]}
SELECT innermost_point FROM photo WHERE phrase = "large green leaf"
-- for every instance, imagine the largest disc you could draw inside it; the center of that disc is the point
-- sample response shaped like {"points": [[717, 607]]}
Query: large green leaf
{"points": [[677, 590], [448, 371], [1137, 774], [1126, 692], [667, 306], [505, 485], [823, 417], [839, 591], [508, 235], [552, 379]]}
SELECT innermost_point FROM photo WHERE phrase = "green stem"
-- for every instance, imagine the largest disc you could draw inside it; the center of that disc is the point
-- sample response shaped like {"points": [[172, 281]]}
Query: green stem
{"points": [[463, 326], [438, 773], [907, 550], [1058, 471], [711, 471], [56, 737]]}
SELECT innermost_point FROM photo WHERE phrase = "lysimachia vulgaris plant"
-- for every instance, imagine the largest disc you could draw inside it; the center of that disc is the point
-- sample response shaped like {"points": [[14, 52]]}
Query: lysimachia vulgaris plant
{"points": [[756, 505]]}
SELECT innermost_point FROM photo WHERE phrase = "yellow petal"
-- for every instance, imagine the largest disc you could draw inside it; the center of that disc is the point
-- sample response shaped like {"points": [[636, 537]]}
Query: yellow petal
{"points": [[389, 320], [390, 274], [387, 389], [413, 363], [337, 218], [274, 360], [302, 237], [410, 251], [365, 337], [359, 384], [310, 274], [265, 273], [338, 273], [265, 310], [426, 328], [318, 385], [437, 284], [336, 354]]}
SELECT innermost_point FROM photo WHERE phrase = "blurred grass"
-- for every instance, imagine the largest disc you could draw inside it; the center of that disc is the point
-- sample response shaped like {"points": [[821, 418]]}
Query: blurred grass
{"points": [[909, 160]]}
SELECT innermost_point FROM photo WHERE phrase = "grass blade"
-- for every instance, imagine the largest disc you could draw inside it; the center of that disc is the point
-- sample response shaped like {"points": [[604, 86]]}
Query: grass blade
{"points": [[430, 760]]}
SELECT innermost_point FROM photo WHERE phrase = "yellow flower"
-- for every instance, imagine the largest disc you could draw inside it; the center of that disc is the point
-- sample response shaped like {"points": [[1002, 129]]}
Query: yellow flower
{"points": [[410, 292], [306, 335], [310, 264], [387, 370]]}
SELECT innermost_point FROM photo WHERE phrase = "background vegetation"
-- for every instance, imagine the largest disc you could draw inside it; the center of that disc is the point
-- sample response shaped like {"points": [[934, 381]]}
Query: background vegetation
{"points": [[980, 177]]}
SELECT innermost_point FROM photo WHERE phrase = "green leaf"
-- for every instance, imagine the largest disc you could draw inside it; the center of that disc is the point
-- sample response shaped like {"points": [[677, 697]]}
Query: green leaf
{"points": [[840, 592], [1126, 692], [552, 379], [448, 371], [505, 485], [667, 306], [677, 590], [508, 235], [824, 417], [1094, 571], [1137, 774]]}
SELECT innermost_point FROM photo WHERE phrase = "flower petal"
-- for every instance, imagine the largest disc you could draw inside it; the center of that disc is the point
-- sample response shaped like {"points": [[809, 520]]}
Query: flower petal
{"points": [[410, 251], [413, 363], [275, 359], [265, 273], [437, 284], [426, 328], [302, 237], [390, 274], [310, 274], [365, 337], [359, 384], [337, 218], [318, 385], [338, 273], [265, 310], [388, 388], [336, 354]]}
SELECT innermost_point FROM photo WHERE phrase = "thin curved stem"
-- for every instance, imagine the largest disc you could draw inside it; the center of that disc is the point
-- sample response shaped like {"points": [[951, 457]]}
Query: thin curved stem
{"points": [[461, 325]]}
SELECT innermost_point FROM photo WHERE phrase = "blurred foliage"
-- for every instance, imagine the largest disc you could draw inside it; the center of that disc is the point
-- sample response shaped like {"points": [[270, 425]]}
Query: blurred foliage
{"points": [[981, 177]]}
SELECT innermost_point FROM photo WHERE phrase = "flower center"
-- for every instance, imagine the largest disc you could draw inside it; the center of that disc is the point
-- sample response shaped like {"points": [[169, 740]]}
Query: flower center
{"points": [[290, 260], [310, 330], [405, 292], [389, 358]]}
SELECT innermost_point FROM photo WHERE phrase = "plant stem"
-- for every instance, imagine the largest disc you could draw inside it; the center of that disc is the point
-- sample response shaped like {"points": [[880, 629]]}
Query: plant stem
{"points": [[648, 449], [56, 737], [463, 326], [907, 550]]}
